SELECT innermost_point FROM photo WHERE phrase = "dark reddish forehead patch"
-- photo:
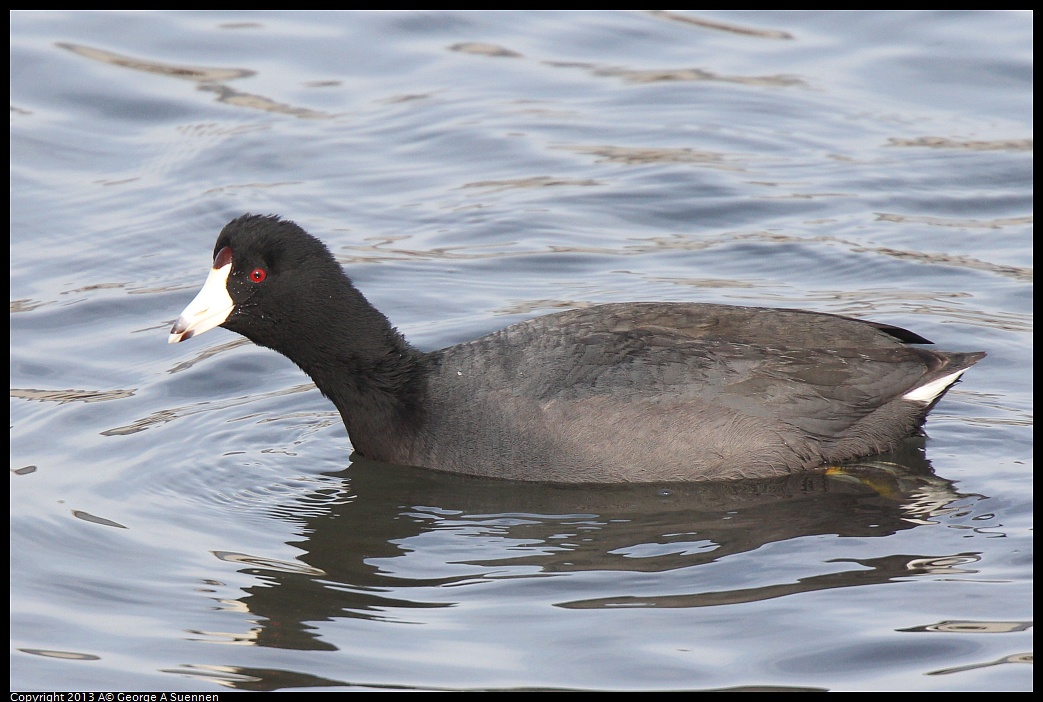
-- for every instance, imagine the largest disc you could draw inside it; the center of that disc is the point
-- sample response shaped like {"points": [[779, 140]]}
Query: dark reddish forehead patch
{"points": [[223, 257]]}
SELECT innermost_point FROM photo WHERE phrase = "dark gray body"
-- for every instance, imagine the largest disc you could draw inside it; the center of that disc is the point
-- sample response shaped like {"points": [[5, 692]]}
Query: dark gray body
{"points": [[668, 392]]}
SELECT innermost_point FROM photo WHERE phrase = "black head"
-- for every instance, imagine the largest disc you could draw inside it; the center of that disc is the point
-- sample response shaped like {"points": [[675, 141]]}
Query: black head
{"points": [[269, 280]]}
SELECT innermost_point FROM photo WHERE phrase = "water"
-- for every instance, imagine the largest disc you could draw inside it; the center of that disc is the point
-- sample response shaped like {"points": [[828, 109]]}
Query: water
{"points": [[187, 517]]}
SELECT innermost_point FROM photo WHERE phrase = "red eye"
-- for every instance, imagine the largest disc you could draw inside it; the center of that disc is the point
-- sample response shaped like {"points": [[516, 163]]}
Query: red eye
{"points": [[258, 275]]}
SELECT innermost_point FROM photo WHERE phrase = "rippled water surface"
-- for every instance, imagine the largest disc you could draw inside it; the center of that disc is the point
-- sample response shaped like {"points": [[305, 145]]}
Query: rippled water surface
{"points": [[188, 516]]}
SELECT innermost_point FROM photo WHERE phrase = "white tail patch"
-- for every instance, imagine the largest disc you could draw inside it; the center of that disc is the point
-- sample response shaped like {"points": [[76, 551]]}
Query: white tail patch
{"points": [[927, 393]]}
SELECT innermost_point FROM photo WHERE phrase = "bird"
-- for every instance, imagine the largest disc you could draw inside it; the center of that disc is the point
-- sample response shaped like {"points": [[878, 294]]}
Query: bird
{"points": [[634, 392]]}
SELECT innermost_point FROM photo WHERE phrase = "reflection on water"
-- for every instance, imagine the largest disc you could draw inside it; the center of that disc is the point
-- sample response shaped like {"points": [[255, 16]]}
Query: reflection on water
{"points": [[359, 557], [400, 540]]}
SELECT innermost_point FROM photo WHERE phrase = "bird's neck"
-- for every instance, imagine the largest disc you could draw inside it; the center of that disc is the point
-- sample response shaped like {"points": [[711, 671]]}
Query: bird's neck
{"points": [[368, 370]]}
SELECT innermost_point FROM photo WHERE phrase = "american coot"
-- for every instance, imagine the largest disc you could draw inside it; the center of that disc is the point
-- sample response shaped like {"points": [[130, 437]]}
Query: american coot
{"points": [[629, 392]]}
